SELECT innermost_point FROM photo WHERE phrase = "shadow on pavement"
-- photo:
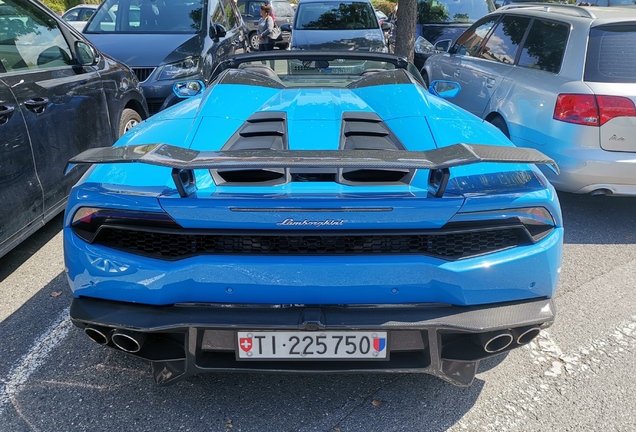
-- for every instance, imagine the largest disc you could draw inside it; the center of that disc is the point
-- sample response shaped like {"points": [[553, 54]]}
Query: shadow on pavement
{"points": [[598, 219]]}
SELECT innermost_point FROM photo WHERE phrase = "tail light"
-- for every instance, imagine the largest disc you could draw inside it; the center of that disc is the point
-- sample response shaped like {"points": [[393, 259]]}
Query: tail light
{"points": [[537, 221], [88, 221], [592, 110]]}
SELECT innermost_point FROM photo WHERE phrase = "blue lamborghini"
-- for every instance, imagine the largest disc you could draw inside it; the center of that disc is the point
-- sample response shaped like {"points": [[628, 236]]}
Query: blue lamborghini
{"points": [[313, 212]]}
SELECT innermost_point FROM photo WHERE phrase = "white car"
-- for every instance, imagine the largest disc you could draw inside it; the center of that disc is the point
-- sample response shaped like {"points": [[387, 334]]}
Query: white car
{"points": [[559, 79], [78, 16]]}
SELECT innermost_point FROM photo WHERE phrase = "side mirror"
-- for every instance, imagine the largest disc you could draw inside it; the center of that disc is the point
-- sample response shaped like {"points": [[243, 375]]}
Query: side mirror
{"points": [[443, 45], [444, 89], [85, 54], [386, 26], [188, 89], [217, 31], [286, 27]]}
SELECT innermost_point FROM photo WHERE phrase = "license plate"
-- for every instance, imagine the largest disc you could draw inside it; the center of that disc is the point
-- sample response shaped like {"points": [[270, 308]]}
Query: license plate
{"points": [[254, 345]]}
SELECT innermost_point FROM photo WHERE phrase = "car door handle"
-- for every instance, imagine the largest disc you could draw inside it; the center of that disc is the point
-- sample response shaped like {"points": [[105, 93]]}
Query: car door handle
{"points": [[490, 82], [5, 113], [37, 105]]}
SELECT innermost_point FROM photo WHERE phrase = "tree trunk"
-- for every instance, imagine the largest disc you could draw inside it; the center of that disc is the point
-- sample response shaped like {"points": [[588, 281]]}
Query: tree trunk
{"points": [[405, 31]]}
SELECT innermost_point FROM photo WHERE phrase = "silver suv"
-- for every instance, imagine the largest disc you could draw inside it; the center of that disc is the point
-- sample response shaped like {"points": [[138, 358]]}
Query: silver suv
{"points": [[558, 78]]}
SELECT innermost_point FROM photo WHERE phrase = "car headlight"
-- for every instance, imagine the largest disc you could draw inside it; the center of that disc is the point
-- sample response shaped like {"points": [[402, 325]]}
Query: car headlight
{"points": [[184, 68], [422, 46]]}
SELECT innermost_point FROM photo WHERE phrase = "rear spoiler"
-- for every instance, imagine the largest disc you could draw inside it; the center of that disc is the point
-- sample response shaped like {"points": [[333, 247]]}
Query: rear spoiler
{"points": [[183, 161]]}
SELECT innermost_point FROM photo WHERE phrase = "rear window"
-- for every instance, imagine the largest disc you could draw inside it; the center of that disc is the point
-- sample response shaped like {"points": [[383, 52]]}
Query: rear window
{"points": [[332, 15], [611, 56]]}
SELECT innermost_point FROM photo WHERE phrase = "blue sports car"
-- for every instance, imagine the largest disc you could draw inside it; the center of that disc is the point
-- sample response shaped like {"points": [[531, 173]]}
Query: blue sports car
{"points": [[313, 212]]}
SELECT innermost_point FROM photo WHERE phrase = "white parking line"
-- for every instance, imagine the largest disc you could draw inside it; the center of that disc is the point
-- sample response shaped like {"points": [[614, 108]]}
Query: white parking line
{"points": [[22, 370], [510, 410]]}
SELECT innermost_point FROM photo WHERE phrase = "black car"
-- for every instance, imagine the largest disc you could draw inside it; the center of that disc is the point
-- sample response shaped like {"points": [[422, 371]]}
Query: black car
{"points": [[251, 12], [58, 96], [165, 41]]}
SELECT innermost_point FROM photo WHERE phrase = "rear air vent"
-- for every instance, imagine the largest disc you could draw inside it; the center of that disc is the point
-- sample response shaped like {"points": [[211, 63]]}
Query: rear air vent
{"points": [[262, 131], [359, 131], [365, 131]]}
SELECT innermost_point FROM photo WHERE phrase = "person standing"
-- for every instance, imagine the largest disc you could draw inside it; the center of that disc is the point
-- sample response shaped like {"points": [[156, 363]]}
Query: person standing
{"points": [[265, 27]]}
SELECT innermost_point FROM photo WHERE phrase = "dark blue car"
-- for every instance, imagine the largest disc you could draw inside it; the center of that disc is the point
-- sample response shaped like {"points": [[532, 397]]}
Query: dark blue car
{"points": [[322, 224], [165, 41]]}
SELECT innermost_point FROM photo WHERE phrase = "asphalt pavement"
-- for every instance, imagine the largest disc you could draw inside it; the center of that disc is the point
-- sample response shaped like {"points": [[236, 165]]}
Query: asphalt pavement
{"points": [[579, 375]]}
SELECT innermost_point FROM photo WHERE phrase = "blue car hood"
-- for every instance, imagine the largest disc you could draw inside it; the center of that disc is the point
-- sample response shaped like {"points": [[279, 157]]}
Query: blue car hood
{"points": [[359, 40], [147, 50], [314, 121]]}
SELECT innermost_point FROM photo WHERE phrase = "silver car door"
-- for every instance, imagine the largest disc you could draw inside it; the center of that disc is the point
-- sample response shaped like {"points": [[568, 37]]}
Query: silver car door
{"points": [[462, 54], [482, 73]]}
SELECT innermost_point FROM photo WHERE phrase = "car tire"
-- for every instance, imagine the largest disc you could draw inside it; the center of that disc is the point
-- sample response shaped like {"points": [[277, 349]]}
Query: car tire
{"points": [[253, 41], [500, 124], [129, 119]]}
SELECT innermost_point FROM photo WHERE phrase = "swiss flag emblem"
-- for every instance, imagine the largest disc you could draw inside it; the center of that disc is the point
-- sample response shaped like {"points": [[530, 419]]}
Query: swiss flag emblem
{"points": [[245, 344]]}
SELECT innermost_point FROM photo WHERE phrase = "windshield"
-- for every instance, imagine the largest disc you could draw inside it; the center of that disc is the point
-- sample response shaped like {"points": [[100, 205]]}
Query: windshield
{"points": [[331, 15], [147, 16], [325, 69], [452, 11]]}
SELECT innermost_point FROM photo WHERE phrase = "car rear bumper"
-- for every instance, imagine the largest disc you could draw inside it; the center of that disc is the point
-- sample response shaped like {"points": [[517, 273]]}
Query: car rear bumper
{"points": [[594, 171], [183, 340]]}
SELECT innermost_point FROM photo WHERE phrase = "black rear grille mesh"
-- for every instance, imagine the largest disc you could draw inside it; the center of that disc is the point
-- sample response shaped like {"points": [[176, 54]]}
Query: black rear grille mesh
{"points": [[143, 73], [177, 245]]}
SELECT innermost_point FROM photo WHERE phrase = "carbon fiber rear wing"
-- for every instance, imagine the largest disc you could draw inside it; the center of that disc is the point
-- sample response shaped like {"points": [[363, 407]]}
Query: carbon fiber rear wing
{"points": [[183, 161]]}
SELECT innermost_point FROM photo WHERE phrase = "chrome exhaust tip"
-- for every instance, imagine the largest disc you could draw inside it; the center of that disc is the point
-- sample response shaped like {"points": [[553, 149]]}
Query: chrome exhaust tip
{"points": [[128, 341], [99, 335], [494, 342], [601, 192], [524, 335]]}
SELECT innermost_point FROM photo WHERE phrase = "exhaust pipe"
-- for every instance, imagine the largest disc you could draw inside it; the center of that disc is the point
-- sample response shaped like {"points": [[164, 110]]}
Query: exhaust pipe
{"points": [[128, 341], [99, 335], [600, 192], [524, 335], [495, 341]]}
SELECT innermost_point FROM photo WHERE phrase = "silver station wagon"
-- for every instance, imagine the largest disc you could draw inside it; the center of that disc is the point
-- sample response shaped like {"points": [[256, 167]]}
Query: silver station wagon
{"points": [[558, 78]]}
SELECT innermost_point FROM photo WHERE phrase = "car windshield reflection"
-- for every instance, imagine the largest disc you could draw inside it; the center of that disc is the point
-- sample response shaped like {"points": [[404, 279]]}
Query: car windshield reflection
{"points": [[148, 16]]}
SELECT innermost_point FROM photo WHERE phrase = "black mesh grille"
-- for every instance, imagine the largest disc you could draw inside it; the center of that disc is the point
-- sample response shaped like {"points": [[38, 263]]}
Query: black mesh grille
{"points": [[177, 245], [143, 73], [154, 105]]}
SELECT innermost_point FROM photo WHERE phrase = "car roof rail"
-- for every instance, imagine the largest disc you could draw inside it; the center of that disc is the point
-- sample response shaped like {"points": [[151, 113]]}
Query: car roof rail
{"points": [[553, 7]]}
